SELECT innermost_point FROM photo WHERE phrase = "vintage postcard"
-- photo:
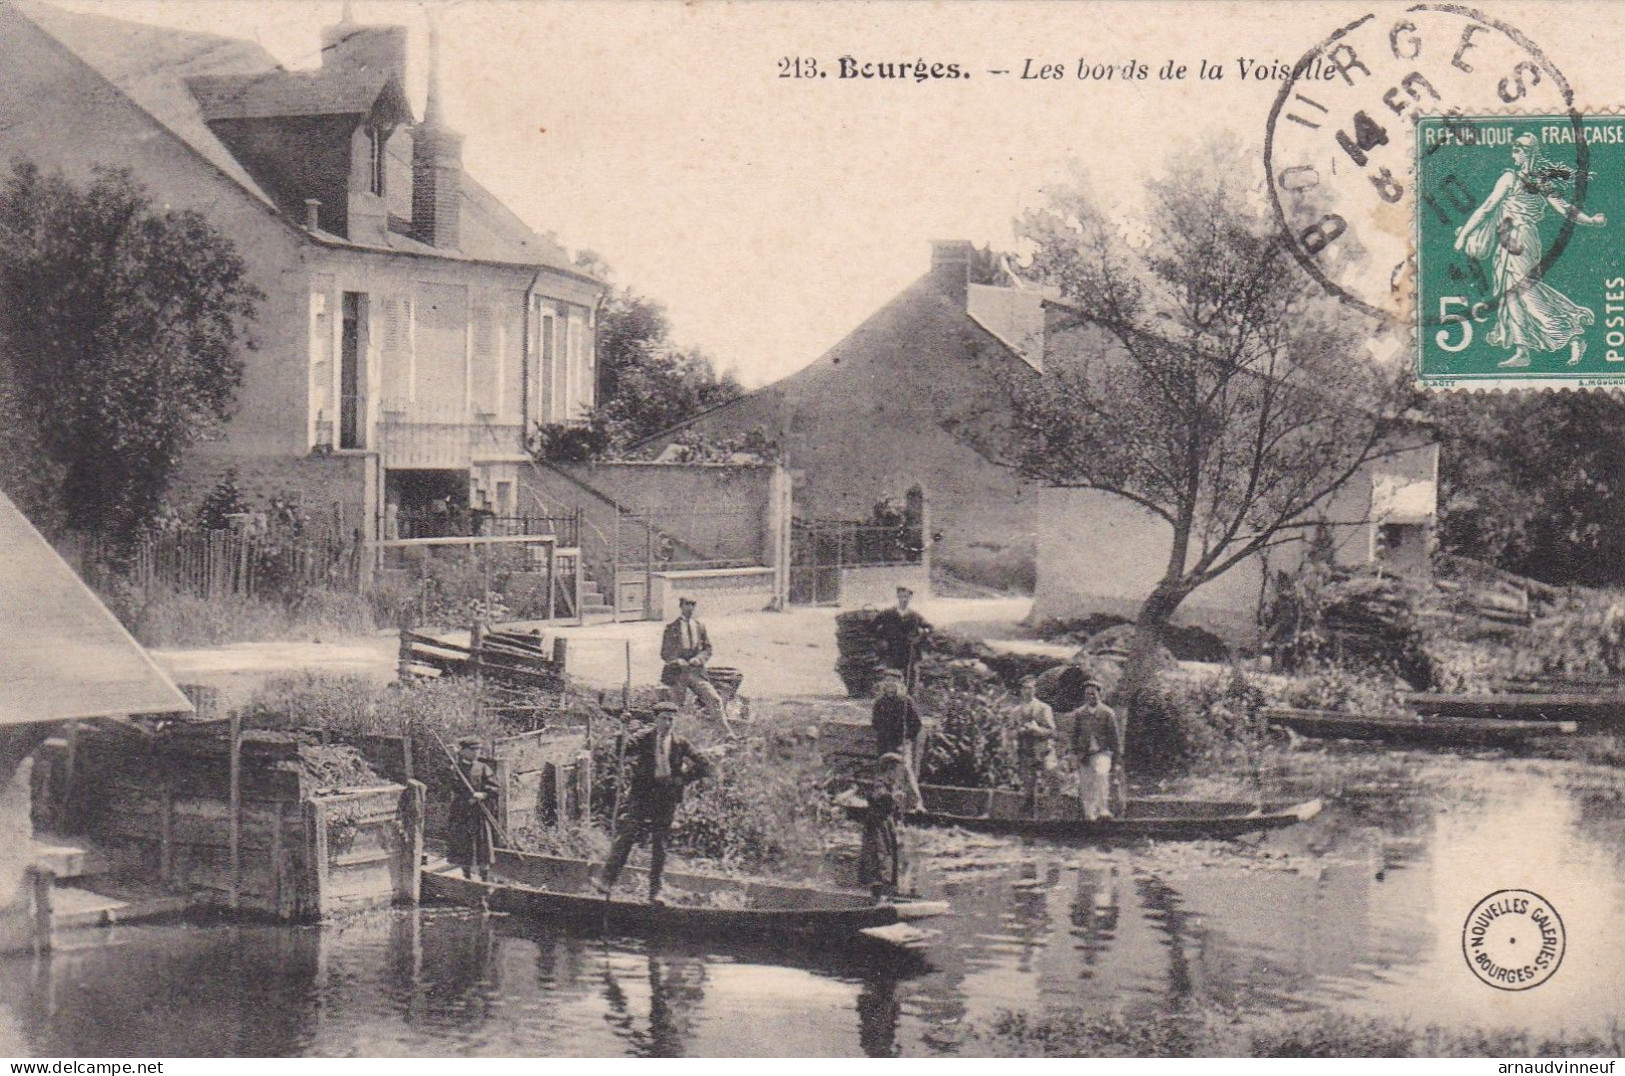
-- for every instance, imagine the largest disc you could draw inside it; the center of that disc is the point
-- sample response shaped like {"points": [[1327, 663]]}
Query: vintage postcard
{"points": [[547, 528]]}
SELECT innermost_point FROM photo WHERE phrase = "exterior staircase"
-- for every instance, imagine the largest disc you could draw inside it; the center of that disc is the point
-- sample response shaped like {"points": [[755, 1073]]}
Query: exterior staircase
{"points": [[69, 892]]}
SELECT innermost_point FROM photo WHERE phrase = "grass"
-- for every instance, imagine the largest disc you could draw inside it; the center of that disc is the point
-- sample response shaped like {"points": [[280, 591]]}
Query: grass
{"points": [[1203, 1032], [169, 618]]}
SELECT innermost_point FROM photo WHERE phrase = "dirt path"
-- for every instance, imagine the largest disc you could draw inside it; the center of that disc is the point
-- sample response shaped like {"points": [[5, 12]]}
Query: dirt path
{"points": [[782, 655]]}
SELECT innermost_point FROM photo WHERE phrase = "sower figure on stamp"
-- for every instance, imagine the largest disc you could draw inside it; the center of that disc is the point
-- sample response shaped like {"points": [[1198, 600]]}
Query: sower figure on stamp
{"points": [[1097, 740], [661, 764], [686, 648], [1529, 313], [1034, 723], [895, 718], [471, 842], [880, 855], [899, 633]]}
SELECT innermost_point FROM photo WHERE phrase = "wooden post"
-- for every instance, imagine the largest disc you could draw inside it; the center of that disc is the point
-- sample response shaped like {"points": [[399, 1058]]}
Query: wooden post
{"points": [[614, 576], [236, 881], [580, 578], [276, 863], [316, 853], [166, 834], [42, 884], [648, 559], [504, 768], [70, 801], [552, 573], [412, 811]]}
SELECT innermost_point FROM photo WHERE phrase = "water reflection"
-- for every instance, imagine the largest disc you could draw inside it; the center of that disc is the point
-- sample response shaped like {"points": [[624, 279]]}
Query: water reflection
{"points": [[1360, 911]]}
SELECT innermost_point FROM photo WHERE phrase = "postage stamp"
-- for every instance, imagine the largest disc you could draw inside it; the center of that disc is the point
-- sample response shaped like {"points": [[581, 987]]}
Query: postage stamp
{"points": [[1520, 270]]}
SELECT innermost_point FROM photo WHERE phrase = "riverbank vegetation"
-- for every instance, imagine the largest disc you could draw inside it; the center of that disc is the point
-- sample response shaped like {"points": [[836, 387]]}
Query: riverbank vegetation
{"points": [[1210, 1032]]}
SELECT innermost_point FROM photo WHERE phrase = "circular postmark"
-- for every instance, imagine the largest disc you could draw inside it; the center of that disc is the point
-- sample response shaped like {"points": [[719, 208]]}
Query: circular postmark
{"points": [[1340, 147], [1513, 939]]}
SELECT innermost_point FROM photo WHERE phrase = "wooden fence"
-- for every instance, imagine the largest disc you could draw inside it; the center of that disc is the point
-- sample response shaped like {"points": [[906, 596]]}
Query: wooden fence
{"points": [[214, 563]]}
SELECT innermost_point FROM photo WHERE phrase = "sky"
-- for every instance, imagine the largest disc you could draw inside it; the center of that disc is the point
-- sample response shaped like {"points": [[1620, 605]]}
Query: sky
{"points": [[772, 215]]}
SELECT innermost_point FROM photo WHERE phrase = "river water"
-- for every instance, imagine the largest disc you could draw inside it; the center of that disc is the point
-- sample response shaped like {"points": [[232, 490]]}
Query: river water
{"points": [[1359, 911]]}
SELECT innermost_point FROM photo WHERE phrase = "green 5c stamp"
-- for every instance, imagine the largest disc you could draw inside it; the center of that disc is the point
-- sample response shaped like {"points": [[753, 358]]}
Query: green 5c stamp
{"points": [[1520, 248]]}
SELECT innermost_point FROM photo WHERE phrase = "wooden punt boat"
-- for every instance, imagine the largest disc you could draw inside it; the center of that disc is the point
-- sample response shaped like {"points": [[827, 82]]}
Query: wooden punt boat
{"points": [[1603, 705], [1431, 730], [1061, 817], [556, 889]]}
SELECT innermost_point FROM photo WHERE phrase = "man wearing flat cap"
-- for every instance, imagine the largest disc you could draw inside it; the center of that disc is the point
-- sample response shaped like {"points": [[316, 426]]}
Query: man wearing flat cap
{"points": [[471, 840], [1097, 742], [686, 648], [899, 634], [659, 765], [895, 717]]}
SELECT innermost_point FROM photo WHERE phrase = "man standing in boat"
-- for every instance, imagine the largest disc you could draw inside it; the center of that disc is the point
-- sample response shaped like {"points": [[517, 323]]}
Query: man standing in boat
{"points": [[686, 648], [880, 854], [1034, 723], [900, 633], [660, 764], [1097, 741], [471, 842], [895, 717]]}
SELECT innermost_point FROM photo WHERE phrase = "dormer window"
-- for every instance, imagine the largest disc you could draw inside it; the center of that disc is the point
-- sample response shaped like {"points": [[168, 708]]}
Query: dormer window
{"points": [[377, 146]]}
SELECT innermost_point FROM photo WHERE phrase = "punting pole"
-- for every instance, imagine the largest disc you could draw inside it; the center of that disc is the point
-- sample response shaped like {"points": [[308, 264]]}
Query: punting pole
{"points": [[236, 756]]}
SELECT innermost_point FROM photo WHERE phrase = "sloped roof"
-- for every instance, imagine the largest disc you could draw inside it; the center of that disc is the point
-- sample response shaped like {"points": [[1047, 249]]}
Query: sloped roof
{"points": [[150, 65], [919, 318], [285, 93], [63, 655], [153, 66]]}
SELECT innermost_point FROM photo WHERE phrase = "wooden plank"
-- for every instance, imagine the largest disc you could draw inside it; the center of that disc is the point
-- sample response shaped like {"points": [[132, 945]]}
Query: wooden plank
{"points": [[412, 810], [315, 818]]}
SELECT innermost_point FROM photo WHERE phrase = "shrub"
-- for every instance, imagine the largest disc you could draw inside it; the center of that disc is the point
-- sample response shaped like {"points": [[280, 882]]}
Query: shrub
{"points": [[451, 591], [970, 747], [1332, 687], [1181, 724]]}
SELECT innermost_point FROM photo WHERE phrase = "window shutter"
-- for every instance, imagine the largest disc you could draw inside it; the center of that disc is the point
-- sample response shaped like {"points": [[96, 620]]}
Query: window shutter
{"points": [[486, 390]]}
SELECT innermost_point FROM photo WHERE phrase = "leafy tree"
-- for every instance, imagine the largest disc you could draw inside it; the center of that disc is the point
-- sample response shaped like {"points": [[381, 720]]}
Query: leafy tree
{"points": [[122, 324], [646, 383], [1217, 388], [1534, 483]]}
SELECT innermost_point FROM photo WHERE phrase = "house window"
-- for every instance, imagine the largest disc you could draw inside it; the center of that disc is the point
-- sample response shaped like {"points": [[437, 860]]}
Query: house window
{"points": [[321, 369], [352, 405], [549, 352], [486, 371], [377, 158]]}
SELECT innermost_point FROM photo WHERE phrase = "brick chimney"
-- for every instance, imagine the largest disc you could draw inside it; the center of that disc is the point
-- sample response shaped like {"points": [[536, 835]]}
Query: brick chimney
{"points": [[950, 268], [437, 165]]}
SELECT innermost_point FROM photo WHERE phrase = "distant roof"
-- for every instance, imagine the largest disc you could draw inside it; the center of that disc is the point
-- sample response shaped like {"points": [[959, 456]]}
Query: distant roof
{"points": [[63, 655], [919, 317], [153, 65]]}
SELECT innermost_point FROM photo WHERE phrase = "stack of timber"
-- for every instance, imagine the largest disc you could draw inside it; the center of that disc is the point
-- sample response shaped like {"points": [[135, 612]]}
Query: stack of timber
{"points": [[856, 663], [1417, 729], [508, 658]]}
